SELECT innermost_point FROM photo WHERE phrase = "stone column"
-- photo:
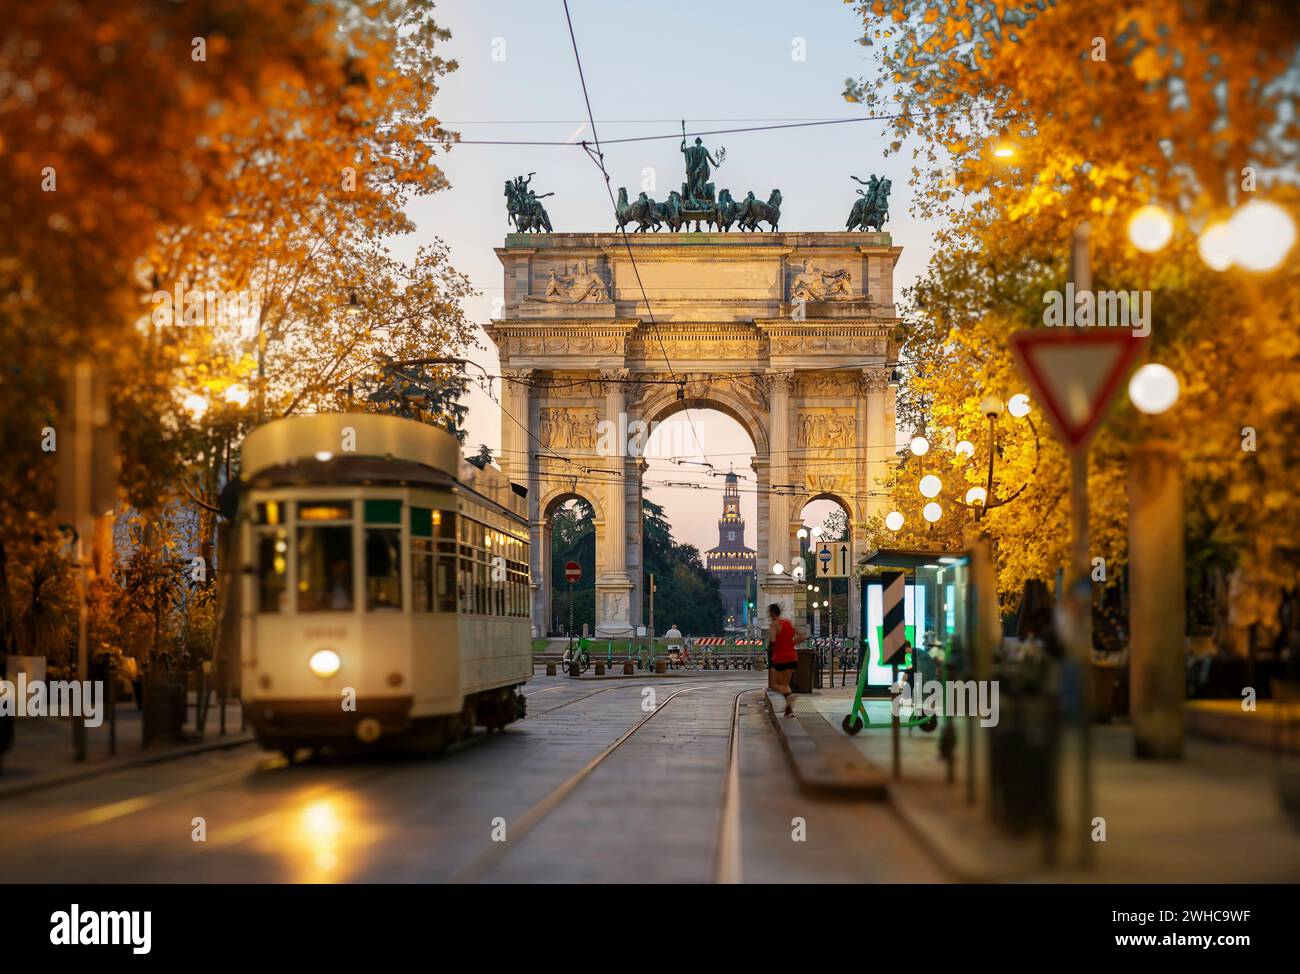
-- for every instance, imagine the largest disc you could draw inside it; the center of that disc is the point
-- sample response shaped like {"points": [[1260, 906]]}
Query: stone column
{"points": [[614, 585], [880, 437], [1157, 674], [778, 588], [516, 444]]}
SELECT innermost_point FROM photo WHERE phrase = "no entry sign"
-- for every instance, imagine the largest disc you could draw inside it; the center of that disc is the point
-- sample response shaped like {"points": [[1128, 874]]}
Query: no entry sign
{"points": [[572, 571]]}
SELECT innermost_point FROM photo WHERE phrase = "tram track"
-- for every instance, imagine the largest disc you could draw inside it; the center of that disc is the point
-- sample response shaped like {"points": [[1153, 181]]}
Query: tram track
{"points": [[585, 696], [726, 856]]}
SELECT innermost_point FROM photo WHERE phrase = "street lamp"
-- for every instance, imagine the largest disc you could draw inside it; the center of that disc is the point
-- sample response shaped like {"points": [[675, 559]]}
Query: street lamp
{"points": [[932, 512], [1150, 228], [894, 520], [196, 405], [778, 569], [919, 446], [237, 395], [1262, 234], [1153, 388], [930, 485]]}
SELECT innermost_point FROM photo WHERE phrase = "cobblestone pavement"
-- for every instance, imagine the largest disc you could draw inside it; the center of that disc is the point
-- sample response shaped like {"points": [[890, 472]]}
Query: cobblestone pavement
{"points": [[602, 783]]}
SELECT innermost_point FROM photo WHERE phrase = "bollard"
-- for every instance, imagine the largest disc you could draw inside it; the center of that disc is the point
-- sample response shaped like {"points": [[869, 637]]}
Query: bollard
{"points": [[600, 669], [574, 669], [661, 666], [550, 669], [627, 667]]}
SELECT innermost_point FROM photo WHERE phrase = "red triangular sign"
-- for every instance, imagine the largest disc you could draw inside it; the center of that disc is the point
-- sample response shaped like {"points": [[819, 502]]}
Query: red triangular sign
{"points": [[1074, 375]]}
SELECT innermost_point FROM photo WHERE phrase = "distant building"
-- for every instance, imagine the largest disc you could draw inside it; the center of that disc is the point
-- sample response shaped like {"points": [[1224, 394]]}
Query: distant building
{"points": [[731, 563]]}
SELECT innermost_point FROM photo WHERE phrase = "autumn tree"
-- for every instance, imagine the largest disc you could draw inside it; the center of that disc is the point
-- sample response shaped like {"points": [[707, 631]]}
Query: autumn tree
{"points": [[1029, 119]]}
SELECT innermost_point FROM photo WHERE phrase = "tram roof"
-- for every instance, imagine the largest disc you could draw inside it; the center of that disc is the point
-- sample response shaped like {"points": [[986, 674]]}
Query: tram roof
{"points": [[323, 436]]}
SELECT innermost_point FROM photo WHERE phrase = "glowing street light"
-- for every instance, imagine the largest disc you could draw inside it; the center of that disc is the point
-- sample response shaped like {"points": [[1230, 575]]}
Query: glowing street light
{"points": [[1018, 405], [932, 512], [817, 531], [977, 495], [1153, 388], [1216, 245], [930, 485], [195, 404], [894, 521], [801, 534], [1262, 234], [1150, 228], [965, 449], [919, 446], [778, 569], [237, 395]]}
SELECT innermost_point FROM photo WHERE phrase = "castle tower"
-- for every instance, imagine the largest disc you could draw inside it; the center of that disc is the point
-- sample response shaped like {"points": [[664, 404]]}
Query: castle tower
{"points": [[731, 562]]}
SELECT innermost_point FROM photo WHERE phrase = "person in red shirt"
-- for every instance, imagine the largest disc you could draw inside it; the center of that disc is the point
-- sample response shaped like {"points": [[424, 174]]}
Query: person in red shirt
{"points": [[782, 639]]}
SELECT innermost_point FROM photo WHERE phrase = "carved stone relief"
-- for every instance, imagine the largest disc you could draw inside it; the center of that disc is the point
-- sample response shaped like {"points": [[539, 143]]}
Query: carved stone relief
{"points": [[828, 428], [582, 284], [565, 428]]}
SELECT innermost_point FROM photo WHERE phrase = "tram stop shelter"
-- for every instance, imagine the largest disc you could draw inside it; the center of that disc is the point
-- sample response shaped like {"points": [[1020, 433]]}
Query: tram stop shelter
{"points": [[937, 587]]}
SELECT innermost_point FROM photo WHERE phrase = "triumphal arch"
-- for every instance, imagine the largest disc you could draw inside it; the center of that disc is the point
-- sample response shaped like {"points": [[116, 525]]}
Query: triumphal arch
{"points": [[791, 334]]}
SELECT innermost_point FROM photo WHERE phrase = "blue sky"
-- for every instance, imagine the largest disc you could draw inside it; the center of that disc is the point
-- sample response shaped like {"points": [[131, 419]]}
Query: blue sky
{"points": [[648, 65]]}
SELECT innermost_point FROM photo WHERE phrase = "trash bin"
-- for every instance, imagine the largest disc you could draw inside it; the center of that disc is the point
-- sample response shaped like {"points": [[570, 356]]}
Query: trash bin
{"points": [[164, 708], [805, 664]]}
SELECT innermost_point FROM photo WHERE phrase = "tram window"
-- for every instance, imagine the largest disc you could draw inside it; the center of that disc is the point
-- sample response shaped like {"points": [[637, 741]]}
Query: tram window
{"points": [[272, 570], [383, 568], [421, 573], [270, 512], [325, 568]]}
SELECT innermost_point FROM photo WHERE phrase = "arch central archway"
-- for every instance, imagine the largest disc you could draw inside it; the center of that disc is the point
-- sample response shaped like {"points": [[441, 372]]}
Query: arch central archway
{"points": [[733, 324]]}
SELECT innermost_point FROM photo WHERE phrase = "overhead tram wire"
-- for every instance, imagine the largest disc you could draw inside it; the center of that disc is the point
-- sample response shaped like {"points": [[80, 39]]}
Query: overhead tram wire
{"points": [[599, 159], [655, 138]]}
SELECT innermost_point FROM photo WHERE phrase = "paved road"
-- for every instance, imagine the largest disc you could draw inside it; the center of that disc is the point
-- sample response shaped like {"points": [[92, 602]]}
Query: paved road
{"points": [[599, 784]]}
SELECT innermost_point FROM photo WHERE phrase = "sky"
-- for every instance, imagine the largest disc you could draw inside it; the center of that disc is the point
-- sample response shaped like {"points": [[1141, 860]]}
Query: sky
{"points": [[648, 65]]}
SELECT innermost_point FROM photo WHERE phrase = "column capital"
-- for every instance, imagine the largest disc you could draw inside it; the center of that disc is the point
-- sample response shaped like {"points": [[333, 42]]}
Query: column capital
{"points": [[613, 380], [780, 381], [874, 379]]}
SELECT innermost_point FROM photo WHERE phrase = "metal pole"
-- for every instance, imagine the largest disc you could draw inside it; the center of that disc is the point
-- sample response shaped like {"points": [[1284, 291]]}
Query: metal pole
{"points": [[652, 621], [82, 500], [1080, 601]]}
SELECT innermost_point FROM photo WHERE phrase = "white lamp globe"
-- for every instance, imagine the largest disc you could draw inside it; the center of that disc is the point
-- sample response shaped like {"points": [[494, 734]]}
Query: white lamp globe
{"points": [[237, 394], [930, 485], [1153, 388], [1216, 246], [894, 520], [817, 531], [932, 512], [778, 569], [965, 449], [1262, 233], [195, 405], [1149, 228], [977, 495], [1018, 405], [801, 533], [919, 446]]}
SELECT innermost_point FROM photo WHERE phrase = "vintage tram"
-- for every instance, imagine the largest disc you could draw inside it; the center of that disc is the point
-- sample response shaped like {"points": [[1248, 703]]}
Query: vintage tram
{"points": [[383, 591]]}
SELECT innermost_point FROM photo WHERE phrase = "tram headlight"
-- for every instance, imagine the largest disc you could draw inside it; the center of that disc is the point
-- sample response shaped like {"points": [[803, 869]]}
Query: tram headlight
{"points": [[325, 662]]}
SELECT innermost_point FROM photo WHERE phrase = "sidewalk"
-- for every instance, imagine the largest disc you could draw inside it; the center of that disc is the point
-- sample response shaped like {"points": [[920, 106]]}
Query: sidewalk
{"points": [[1215, 816], [42, 757]]}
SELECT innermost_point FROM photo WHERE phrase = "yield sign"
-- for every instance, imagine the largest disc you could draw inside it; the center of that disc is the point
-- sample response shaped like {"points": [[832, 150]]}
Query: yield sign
{"points": [[1075, 374], [572, 571]]}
